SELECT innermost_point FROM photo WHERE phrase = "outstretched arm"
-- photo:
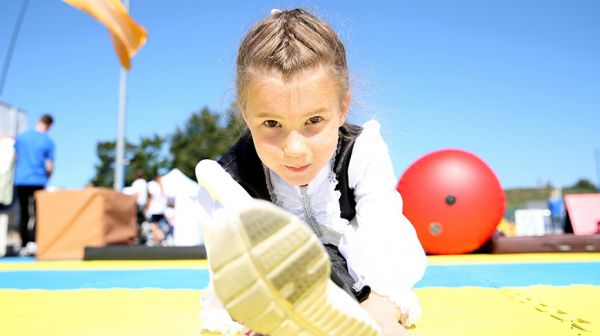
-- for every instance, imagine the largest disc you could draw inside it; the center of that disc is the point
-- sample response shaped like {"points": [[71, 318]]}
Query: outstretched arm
{"points": [[382, 248], [223, 190], [385, 313]]}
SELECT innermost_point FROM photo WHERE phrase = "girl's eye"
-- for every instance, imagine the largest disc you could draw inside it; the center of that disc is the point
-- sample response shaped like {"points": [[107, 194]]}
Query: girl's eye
{"points": [[271, 123], [314, 120]]}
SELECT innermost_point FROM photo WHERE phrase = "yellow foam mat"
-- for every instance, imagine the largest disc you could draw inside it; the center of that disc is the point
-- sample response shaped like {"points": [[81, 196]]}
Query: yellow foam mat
{"points": [[175, 264], [103, 312], [103, 265], [446, 311], [508, 311], [511, 258], [577, 306]]}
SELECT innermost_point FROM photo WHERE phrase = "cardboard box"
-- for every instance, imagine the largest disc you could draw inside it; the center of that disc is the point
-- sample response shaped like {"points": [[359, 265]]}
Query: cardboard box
{"points": [[69, 220]]}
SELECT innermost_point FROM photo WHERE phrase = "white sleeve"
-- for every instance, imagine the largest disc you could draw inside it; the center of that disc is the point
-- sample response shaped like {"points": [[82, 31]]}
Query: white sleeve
{"points": [[218, 190], [382, 248], [219, 187]]}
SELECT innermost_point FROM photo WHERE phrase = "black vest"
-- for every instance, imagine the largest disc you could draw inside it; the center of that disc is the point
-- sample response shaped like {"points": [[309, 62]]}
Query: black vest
{"points": [[244, 165]]}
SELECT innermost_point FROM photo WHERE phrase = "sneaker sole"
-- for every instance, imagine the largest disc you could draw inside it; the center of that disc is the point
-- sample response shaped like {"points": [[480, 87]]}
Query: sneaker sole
{"points": [[272, 274]]}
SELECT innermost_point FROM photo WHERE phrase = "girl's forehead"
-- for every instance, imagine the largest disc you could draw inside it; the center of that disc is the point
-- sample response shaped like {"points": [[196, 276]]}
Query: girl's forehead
{"points": [[303, 95], [315, 85], [318, 76]]}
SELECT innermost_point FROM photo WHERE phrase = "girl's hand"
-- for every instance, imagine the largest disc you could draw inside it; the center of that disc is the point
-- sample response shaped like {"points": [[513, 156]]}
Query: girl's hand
{"points": [[385, 313], [248, 332]]}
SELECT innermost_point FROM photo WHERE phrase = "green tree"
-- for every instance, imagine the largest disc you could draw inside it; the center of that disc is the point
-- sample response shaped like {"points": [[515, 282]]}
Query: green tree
{"points": [[105, 169], [203, 136], [147, 157], [584, 186]]}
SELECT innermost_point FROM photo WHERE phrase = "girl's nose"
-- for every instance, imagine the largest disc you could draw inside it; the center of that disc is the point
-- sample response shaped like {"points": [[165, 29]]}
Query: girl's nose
{"points": [[294, 145]]}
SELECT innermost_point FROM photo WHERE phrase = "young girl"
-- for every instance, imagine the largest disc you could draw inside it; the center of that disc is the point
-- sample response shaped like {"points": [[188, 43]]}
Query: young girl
{"points": [[342, 218]]}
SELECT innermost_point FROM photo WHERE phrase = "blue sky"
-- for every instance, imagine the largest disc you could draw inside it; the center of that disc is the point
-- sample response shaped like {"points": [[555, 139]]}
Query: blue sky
{"points": [[515, 82]]}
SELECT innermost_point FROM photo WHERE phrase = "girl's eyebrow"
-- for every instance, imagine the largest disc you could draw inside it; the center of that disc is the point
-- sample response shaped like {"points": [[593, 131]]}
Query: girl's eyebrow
{"points": [[273, 115], [262, 115], [320, 110]]}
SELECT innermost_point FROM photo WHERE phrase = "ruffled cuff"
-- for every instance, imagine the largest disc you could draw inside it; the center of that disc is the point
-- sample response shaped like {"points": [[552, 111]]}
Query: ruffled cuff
{"points": [[410, 308], [214, 318], [406, 301]]}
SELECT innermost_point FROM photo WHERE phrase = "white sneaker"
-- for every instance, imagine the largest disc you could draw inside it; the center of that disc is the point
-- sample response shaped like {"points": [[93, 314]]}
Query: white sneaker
{"points": [[272, 275], [29, 250]]}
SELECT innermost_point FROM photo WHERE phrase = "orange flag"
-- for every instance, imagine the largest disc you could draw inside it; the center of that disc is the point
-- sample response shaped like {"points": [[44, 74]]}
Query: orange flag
{"points": [[127, 36]]}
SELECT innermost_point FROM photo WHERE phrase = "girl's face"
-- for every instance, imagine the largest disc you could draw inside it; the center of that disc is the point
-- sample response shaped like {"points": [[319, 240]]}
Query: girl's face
{"points": [[294, 122]]}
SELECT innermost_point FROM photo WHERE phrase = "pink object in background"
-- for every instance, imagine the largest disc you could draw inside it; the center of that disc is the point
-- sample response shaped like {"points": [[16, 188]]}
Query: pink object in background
{"points": [[584, 212]]}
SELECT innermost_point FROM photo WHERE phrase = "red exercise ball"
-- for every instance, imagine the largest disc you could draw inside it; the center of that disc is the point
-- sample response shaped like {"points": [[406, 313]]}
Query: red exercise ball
{"points": [[453, 199]]}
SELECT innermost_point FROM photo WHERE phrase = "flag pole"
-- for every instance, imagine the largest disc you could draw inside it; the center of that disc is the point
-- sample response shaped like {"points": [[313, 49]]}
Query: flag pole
{"points": [[120, 148], [11, 46], [128, 37]]}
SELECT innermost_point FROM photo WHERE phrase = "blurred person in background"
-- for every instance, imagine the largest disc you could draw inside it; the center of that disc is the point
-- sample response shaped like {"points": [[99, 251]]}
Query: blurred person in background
{"points": [[156, 212], [34, 165], [556, 205]]}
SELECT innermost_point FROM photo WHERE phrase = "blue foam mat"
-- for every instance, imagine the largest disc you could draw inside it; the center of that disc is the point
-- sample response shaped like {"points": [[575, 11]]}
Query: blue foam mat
{"points": [[512, 274], [480, 275]]}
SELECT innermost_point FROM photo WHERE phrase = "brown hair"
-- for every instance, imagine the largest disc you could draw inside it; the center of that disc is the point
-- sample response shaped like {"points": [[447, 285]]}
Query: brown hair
{"points": [[288, 42], [47, 120]]}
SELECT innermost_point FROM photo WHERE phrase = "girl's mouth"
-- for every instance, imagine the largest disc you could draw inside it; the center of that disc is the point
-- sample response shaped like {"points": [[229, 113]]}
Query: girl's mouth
{"points": [[298, 169]]}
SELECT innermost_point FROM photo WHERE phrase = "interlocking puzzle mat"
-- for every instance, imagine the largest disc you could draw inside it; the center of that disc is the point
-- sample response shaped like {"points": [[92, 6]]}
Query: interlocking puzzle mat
{"points": [[526, 294]]}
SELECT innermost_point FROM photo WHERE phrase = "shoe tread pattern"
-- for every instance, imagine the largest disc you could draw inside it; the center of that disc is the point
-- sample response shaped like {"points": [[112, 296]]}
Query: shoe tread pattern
{"points": [[276, 284]]}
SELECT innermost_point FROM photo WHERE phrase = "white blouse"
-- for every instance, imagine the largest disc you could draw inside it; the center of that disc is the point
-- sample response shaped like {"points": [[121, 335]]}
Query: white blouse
{"points": [[380, 245], [382, 248]]}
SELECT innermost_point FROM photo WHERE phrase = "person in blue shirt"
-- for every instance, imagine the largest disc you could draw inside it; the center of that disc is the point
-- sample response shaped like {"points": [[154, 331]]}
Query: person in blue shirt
{"points": [[34, 164], [556, 205]]}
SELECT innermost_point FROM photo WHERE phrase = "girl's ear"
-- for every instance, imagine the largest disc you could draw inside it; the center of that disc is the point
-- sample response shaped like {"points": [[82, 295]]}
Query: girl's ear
{"points": [[344, 108]]}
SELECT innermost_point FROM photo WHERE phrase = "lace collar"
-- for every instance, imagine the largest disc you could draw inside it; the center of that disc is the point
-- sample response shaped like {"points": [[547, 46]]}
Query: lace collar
{"points": [[317, 204]]}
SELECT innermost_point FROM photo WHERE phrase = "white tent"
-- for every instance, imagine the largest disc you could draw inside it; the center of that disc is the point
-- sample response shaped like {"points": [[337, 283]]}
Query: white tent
{"points": [[12, 120], [186, 221]]}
